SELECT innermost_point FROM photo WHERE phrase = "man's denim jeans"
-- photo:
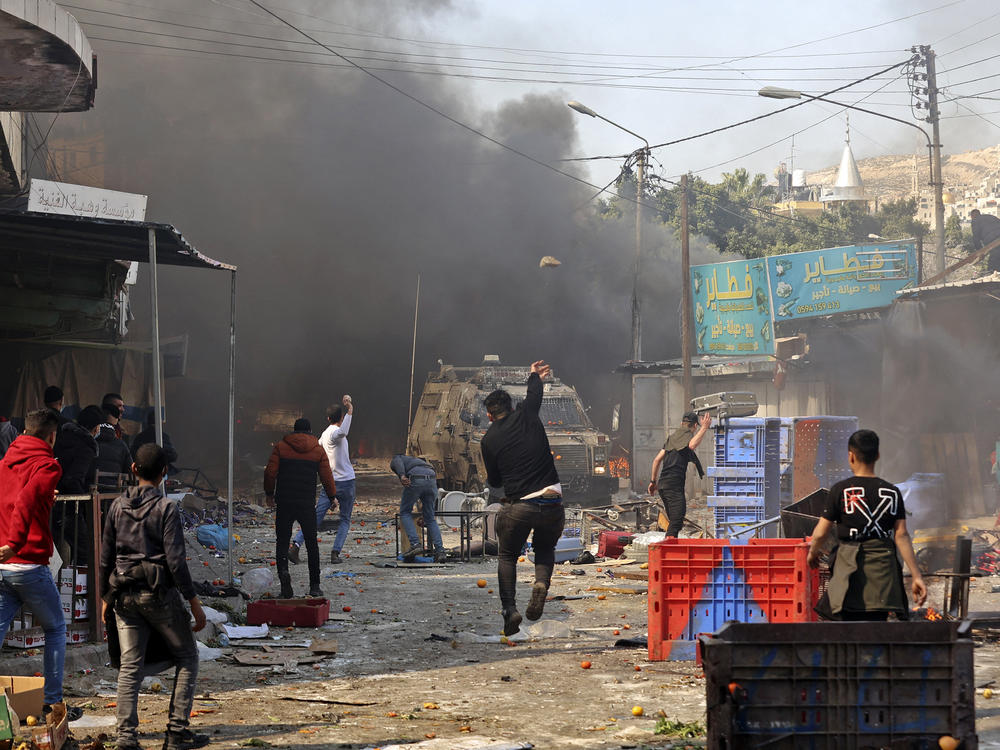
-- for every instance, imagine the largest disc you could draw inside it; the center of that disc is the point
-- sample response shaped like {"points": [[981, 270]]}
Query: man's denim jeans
{"points": [[345, 504], [37, 591], [425, 490]]}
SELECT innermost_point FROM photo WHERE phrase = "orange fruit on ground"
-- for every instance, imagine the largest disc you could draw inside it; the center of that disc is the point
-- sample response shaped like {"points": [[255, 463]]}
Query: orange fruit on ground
{"points": [[627, 626], [616, 632], [948, 743], [601, 597], [584, 665], [638, 668], [347, 609], [481, 583], [637, 710]]}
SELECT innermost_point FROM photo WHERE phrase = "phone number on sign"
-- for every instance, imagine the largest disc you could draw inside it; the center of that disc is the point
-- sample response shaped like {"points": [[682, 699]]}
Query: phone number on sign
{"points": [[818, 307]]}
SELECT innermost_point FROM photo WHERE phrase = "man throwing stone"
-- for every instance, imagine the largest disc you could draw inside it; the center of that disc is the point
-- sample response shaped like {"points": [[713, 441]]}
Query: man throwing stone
{"points": [[517, 456]]}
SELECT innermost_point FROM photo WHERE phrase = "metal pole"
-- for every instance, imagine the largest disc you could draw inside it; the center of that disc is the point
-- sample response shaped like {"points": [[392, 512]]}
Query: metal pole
{"points": [[413, 361], [636, 316], [933, 117], [154, 301], [232, 420], [685, 294]]}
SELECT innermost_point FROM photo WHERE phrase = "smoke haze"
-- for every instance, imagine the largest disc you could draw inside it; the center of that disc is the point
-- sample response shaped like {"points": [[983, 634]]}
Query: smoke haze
{"points": [[332, 194]]}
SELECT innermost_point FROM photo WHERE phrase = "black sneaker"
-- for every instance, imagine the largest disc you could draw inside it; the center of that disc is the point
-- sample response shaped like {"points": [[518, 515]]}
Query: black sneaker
{"points": [[185, 740], [335, 557], [511, 621], [72, 712], [286, 586], [440, 556], [315, 592], [293, 553], [538, 593]]}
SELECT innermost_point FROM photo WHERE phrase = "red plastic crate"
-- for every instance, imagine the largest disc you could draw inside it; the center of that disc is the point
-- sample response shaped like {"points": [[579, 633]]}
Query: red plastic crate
{"points": [[612, 543], [696, 585], [302, 613]]}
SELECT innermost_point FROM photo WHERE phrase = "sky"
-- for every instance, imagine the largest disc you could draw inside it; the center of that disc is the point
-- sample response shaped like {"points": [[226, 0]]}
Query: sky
{"points": [[333, 189]]}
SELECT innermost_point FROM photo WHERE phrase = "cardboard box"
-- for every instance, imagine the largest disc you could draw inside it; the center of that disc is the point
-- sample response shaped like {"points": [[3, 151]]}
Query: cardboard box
{"points": [[78, 632], [53, 734], [73, 580], [303, 613], [26, 638], [26, 695], [74, 607]]}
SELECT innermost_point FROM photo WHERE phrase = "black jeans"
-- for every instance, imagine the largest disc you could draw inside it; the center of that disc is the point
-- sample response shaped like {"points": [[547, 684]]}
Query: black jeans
{"points": [[675, 505], [514, 522], [285, 515], [138, 614]]}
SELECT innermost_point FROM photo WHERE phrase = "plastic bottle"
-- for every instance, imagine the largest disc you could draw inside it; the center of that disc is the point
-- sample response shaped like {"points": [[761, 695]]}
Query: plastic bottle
{"points": [[257, 581]]}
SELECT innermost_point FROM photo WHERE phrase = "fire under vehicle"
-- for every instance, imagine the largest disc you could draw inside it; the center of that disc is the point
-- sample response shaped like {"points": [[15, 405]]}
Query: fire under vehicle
{"points": [[451, 420]]}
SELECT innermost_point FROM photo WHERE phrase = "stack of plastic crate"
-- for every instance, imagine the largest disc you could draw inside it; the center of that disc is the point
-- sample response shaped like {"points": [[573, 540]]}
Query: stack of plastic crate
{"points": [[746, 475]]}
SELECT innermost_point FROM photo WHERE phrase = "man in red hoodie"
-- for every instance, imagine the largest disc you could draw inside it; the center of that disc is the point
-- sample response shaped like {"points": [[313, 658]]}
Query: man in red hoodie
{"points": [[297, 461], [28, 476]]}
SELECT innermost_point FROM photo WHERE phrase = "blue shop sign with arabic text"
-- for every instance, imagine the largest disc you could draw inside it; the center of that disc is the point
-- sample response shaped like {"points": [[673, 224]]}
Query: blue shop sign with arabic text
{"points": [[840, 279], [732, 308]]}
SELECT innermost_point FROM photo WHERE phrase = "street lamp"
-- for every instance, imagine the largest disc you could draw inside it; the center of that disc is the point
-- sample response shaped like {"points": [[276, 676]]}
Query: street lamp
{"points": [[933, 155], [641, 155]]}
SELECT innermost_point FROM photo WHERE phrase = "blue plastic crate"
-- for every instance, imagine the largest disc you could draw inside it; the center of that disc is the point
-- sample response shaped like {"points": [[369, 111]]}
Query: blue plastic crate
{"points": [[732, 519], [740, 442], [753, 486], [735, 501]]}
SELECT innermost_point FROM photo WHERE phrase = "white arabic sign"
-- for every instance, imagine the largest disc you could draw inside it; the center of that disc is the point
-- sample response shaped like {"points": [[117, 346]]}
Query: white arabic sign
{"points": [[80, 200]]}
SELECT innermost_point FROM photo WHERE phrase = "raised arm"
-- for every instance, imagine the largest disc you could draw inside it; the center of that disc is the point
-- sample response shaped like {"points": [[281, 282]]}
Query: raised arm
{"points": [[704, 422], [539, 372]]}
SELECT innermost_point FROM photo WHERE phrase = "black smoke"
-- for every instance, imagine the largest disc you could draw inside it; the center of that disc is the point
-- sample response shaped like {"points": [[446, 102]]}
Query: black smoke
{"points": [[332, 193]]}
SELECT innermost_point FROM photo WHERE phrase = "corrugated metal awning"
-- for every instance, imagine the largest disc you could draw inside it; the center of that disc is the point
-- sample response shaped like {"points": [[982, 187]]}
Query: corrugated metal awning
{"points": [[99, 239], [990, 283]]}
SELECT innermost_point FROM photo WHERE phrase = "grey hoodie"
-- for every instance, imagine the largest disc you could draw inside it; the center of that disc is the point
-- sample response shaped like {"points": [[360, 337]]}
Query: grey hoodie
{"points": [[143, 529]]}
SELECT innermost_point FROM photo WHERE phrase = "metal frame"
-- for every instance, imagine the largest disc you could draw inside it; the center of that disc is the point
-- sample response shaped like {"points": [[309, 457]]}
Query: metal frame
{"points": [[466, 518]]}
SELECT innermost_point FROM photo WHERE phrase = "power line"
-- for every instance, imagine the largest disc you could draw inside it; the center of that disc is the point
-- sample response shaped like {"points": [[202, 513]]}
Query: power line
{"points": [[774, 112]]}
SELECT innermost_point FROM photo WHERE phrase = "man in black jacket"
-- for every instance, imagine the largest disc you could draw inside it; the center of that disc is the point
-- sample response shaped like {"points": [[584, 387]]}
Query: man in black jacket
{"points": [[517, 456], [53, 398], [145, 575], [148, 435], [76, 452]]}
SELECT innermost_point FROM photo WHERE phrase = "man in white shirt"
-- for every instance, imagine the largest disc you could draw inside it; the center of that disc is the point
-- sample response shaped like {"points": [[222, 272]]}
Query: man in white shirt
{"points": [[334, 442]]}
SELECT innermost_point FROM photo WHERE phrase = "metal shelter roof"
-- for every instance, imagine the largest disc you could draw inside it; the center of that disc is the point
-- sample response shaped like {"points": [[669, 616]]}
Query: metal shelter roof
{"points": [[989, 284], [100, 239]]}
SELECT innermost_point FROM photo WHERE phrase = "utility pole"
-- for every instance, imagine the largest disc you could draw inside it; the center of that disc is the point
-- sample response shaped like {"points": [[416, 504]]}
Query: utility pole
{"points": [[685, 294], [640, 167], [933, 117], [413, 362]]}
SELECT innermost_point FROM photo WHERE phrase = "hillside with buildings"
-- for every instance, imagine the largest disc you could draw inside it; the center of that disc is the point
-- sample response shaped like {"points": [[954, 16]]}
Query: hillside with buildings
{"points": [[972, 179]]}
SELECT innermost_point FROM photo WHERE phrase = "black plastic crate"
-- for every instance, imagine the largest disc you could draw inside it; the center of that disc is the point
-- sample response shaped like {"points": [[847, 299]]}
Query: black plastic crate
{"points": [[838, 685], [800, 518]]}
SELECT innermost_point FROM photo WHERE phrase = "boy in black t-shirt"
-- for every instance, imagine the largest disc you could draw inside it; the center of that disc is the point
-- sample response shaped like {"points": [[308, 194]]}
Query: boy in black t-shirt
{"points": [[866, 580]]}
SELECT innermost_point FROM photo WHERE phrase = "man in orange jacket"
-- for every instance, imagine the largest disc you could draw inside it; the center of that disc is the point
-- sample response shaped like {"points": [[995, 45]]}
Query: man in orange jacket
{"points": [[29, 474], [290, 479]]}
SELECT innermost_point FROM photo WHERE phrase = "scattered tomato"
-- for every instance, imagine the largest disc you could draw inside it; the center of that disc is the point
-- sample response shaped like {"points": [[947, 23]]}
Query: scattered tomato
{"points": [[481, 583], [347, 609], [584, 665]]}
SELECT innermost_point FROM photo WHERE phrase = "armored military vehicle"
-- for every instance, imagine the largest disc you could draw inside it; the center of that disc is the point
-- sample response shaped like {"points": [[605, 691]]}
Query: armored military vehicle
{"points": [[451, 420]]}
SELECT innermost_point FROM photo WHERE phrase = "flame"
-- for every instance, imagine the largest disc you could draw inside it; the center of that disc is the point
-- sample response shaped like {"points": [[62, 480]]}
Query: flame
{"points": [[619, 467], [933, 615]]}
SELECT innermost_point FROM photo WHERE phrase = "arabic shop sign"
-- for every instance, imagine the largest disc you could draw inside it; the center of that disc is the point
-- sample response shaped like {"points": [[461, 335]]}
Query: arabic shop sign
{"points": [[840, 279], [80, 200], [732, 308]]}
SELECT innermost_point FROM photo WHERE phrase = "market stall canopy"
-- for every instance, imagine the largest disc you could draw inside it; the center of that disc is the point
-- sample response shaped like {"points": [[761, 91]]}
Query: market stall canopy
{"points": [[99, 239], [46, 63]]}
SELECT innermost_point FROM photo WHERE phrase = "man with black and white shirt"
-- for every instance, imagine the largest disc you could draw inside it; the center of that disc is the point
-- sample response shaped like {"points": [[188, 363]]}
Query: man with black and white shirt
{"points": [[866, 581]]}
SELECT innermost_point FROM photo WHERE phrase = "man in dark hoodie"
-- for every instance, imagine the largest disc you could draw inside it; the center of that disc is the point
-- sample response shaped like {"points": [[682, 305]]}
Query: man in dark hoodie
{"points": [[29, 474], [53, 398], [76, 451], [290, 483], [145, 575], [148, 435]]}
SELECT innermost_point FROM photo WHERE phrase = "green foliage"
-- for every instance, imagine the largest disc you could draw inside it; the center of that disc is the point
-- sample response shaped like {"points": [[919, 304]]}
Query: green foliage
{"points": [[673, 728], [737, 216], [955, 237]]}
